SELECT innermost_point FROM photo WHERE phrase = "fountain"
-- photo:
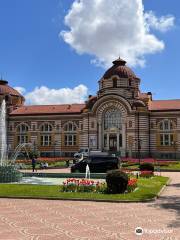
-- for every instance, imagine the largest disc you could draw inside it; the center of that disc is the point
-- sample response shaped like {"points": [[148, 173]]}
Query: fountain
{"points": [[87, 175], [8, 172], [3, 135]]}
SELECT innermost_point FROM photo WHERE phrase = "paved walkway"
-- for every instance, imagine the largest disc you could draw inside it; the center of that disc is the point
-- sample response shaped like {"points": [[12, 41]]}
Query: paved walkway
{"points": [[63, 220]]}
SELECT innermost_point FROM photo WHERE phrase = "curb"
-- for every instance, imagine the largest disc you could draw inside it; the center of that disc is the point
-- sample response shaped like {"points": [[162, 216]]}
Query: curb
{"points": [[82, 199], [163, 188]]}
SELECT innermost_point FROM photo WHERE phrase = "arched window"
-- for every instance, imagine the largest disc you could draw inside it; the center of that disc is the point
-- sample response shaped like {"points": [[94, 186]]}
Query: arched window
{"points": [[46, 127], [22, 128], [166, 125], [70, 127], [22, 133], [112, 119]]}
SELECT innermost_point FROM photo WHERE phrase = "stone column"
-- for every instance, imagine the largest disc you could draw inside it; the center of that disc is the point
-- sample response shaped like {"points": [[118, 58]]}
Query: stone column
{"points": [[123, 151], [108, 141], [123, 136], [118, 142]]}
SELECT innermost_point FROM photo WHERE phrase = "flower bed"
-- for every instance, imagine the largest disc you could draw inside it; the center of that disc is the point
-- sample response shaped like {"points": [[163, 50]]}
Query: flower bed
{"points": [[149, 160], [132, 185], [86, 185], [83, 185], [146, 174]]}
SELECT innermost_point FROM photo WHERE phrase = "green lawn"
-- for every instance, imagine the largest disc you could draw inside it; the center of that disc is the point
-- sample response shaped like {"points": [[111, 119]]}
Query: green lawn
{"points": [[147, 189]]}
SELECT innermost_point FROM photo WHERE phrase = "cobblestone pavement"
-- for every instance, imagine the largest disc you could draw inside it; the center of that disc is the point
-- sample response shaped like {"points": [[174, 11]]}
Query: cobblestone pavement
{"points": [[22, 219]]}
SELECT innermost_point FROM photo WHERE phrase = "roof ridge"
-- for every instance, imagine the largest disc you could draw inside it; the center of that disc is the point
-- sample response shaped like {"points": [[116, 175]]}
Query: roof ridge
{"points": [[178, 99], [53, 105]]}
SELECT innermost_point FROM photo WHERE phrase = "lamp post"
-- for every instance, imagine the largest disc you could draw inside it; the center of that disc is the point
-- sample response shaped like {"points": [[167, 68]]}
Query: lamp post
{"points": [[139, 141]]}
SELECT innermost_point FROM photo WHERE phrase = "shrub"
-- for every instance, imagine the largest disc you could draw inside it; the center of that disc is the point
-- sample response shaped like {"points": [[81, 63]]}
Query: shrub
{"points": [[146, 174], [117, 181], [146, 167]]}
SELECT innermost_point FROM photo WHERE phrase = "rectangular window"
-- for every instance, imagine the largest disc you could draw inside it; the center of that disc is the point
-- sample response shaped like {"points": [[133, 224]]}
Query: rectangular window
{"points": [[22, 139], [166, 139], [70, 140], [45, 140]]}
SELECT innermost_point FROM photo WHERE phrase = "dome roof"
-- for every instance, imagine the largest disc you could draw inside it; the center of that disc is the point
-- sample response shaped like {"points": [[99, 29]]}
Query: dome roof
{"points": [[6, 89], [119, 68]]}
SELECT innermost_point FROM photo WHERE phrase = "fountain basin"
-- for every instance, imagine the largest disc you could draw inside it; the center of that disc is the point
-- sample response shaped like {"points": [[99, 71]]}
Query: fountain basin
{"points": [[46, 180]]}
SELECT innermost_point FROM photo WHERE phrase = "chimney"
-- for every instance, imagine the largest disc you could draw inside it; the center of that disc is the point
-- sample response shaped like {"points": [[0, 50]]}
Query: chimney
{"points": [[149, 95]]}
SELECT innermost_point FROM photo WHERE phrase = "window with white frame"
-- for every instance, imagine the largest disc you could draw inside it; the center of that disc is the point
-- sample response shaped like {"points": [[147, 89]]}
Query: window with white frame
{"points": [[70, 127], [23, 128], [46, 131], [70, 140], [22, 139], [46, 127], [22, 133], [70, 137], [46, 140], [166, 139], [166, 125], [166, 136]]}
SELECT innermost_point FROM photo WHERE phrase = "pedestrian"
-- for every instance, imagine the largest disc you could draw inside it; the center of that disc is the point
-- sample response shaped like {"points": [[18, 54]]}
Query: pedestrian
{"points": [[33, 164]]}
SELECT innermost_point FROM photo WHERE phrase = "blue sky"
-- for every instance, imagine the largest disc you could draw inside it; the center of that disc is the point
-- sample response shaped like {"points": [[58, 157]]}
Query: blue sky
{"points": [[33, 54]]}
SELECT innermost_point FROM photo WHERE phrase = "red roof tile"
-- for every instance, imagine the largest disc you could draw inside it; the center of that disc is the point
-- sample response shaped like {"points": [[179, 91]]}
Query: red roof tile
{"points": [[48, 109], [164, 105]]}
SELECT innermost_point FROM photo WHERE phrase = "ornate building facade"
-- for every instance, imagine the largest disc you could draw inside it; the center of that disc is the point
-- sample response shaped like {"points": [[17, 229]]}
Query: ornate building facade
{"points": [[118, 119]]}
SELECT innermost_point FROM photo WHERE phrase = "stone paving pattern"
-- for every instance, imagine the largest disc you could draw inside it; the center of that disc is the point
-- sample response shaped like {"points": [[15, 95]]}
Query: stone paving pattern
{"points": [[25, 219]]}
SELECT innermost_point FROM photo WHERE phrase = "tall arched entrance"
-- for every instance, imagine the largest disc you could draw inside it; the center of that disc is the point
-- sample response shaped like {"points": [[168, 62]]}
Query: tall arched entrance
{"points": [[112, 116], [112, 130]]}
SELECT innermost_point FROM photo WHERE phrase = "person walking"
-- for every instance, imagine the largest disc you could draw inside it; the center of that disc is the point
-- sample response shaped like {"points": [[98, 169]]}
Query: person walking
{"points": [[33, 164]]}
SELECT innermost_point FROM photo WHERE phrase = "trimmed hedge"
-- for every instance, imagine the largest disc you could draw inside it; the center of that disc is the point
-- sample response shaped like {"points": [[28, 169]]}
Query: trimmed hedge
{"points": [[146, 167], [117, 181]]}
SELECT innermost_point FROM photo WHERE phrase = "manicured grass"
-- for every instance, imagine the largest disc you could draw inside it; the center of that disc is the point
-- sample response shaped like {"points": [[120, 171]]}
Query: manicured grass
{"points": [[147, 189]]}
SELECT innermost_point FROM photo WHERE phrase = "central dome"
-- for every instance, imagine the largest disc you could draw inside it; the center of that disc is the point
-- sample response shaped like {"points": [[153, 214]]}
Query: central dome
{"points": [[12, 97], [120, 69], [5, 89]]}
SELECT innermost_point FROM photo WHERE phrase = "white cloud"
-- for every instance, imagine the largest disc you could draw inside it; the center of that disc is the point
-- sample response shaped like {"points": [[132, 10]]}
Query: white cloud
{"points": [[21, 90], [161, 24], [44, 95], [108, 28]]}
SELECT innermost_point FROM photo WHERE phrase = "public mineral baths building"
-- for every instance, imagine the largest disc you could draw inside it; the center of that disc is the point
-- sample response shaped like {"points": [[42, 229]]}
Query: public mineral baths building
{"points": [[120, 118]]}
